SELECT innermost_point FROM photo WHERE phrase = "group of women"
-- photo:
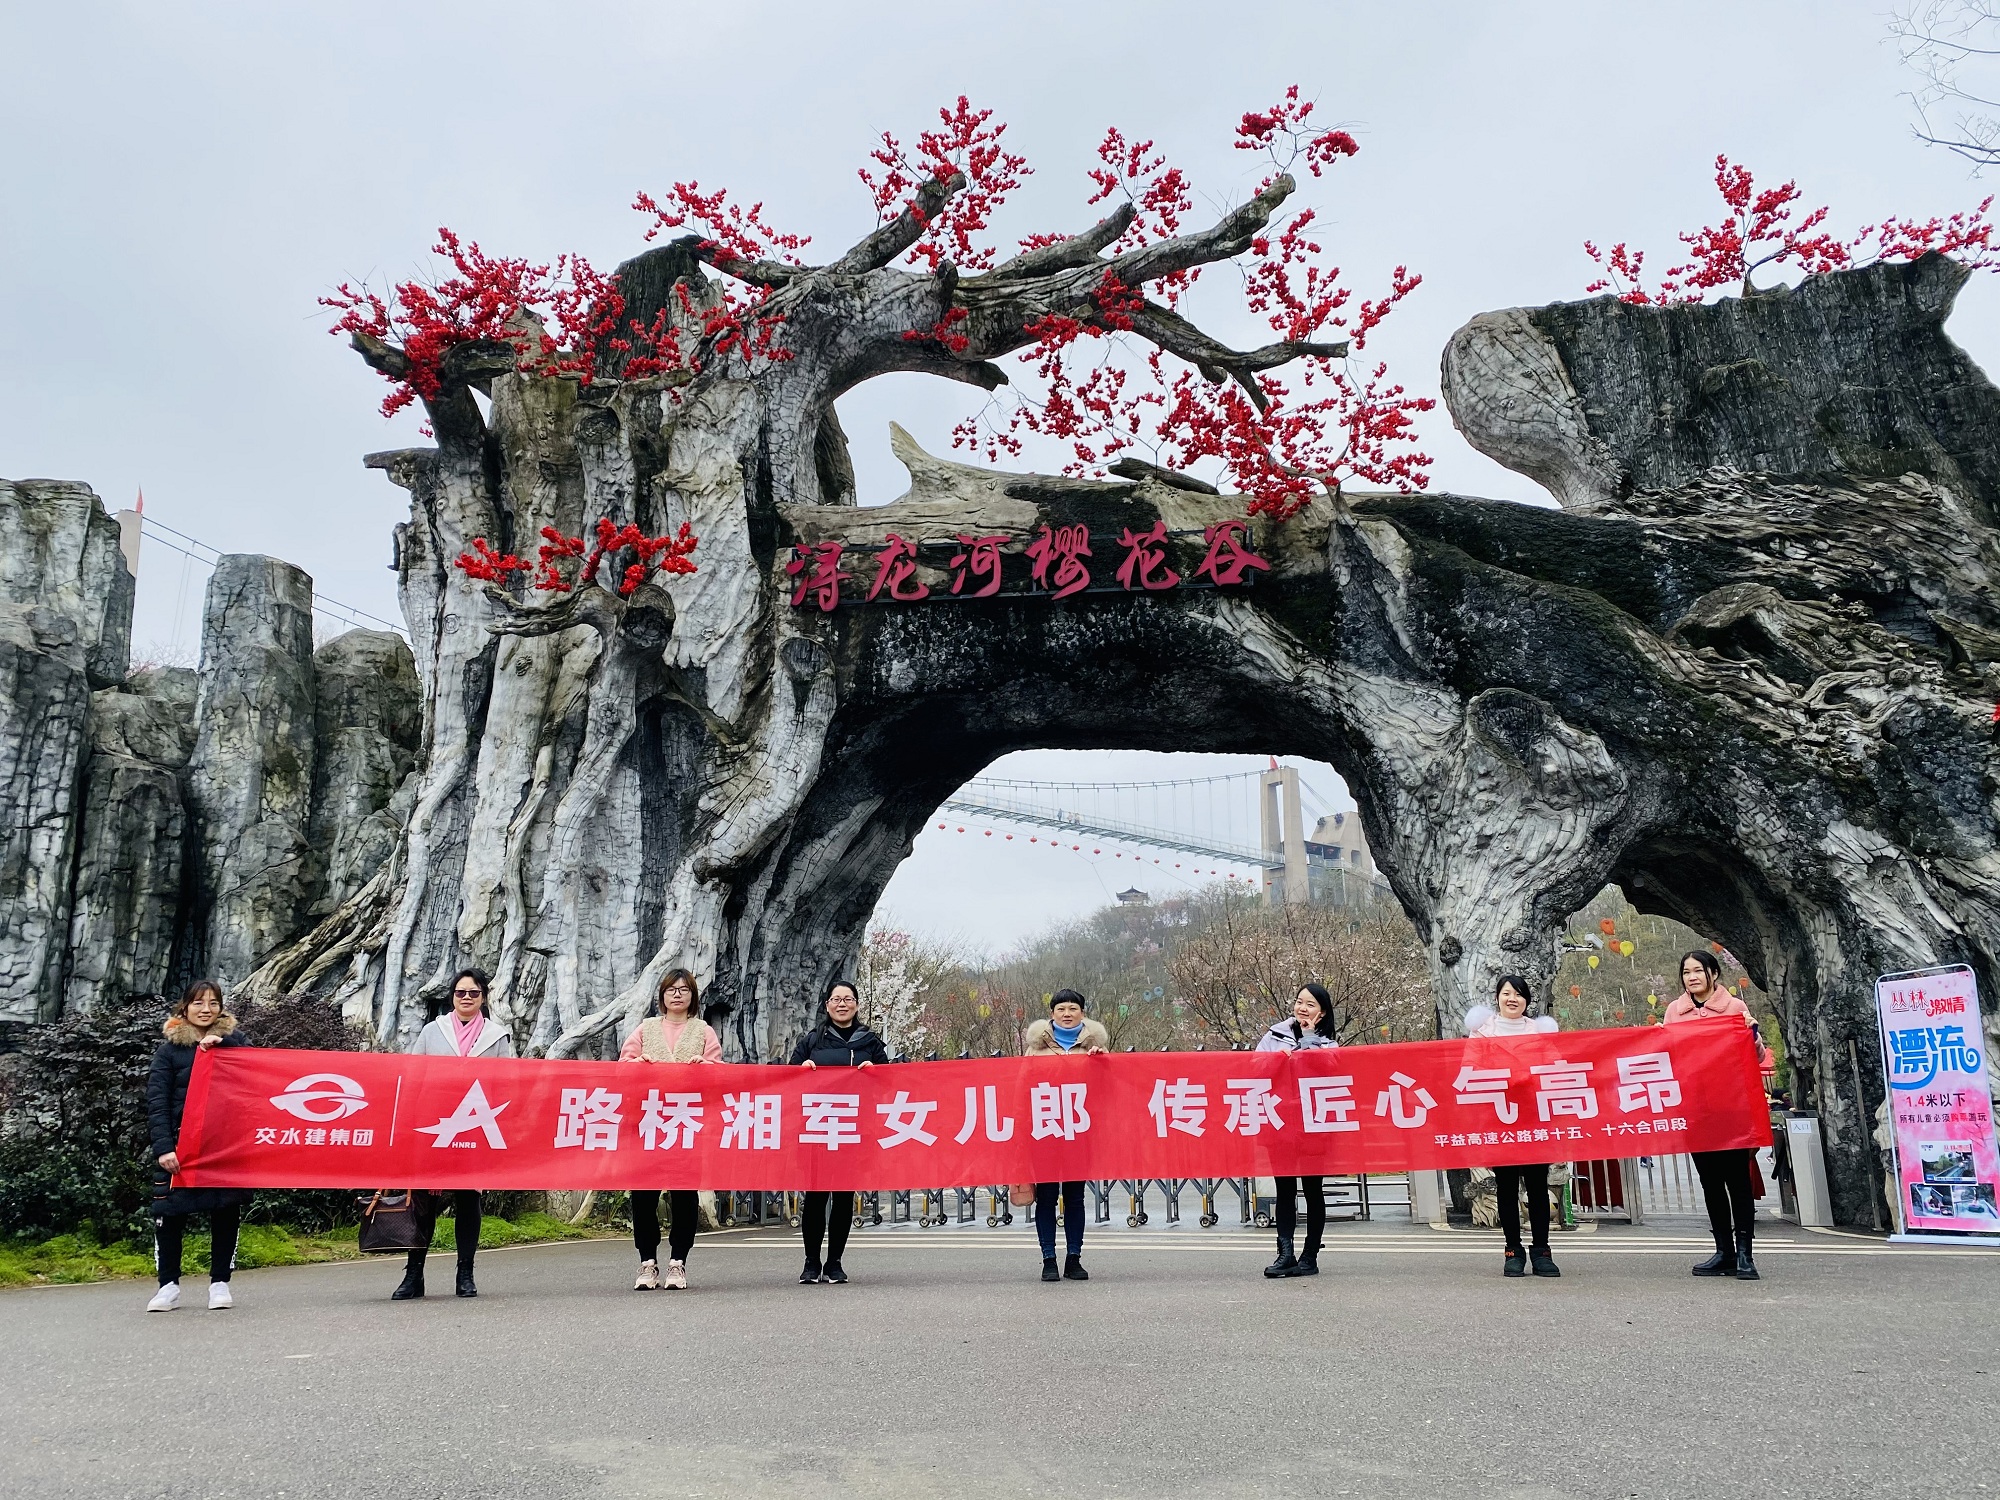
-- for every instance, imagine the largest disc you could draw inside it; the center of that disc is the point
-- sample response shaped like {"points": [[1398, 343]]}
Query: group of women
{"points": [[676, 1033]]}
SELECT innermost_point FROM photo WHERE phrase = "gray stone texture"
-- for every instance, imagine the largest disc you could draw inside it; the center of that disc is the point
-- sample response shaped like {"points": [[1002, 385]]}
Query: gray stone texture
{"points": [[65, 626], [368, 719], [128, 894], [250, 776]]}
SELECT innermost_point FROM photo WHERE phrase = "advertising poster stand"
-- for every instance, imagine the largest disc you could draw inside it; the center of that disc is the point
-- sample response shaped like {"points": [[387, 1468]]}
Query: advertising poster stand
{"points": [[1940, 1107]]}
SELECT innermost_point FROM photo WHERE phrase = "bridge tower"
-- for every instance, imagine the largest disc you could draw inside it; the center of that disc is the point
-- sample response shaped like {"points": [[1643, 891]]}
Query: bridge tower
{"points": [[1285, 876]]}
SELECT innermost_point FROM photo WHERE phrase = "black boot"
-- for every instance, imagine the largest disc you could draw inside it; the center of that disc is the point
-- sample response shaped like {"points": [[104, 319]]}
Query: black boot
{"points": [[1544, 1263], [1049, 1271], [1285, 1261], [465, 1285], [1308, 1264], [1073, 1269], [1722, 1263], [1746, 1268], [1517, 1262], [413, 1283]]}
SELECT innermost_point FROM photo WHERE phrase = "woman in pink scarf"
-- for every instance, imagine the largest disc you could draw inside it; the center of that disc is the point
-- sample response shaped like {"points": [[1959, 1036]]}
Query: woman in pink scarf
{"points": [[1725, 1175], [466, 1030]]}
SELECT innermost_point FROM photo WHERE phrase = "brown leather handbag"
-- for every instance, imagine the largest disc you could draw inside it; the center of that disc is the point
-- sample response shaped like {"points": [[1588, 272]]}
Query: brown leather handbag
{"points": [[389, 1222]]}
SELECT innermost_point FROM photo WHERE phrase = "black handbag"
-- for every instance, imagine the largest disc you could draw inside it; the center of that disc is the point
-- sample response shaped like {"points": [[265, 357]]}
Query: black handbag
{"points": [[389, 1223]]}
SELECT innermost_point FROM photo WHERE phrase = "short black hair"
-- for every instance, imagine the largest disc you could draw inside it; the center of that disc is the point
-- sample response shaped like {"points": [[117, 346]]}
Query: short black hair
{"points": [[1519, 984], [1068, 997], [841, 984], [478, 977]]}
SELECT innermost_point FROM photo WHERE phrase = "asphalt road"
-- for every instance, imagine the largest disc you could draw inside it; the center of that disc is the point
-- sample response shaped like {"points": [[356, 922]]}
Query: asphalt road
{"points": [[1409, 1368]]}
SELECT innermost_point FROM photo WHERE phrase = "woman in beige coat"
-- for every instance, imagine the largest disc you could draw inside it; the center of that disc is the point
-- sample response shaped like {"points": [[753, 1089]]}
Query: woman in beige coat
{"points": [[1067, 1029]]}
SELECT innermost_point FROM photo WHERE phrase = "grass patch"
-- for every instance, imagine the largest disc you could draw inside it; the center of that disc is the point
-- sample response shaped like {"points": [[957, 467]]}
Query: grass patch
{"points": [[71, 1258], [526, 1229]]}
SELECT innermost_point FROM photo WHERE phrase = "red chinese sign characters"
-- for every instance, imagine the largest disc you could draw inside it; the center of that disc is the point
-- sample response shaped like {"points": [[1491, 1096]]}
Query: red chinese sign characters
{"points": [[1228, 559], [1058, 565], [979, 557], [1057, 551], [1145, 565], [896, 569], [817, 568]]}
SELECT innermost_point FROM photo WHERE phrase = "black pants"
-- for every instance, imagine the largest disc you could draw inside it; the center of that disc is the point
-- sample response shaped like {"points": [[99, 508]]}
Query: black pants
{"points": [[684, 1211], [169, 1230], [465, 1212], [827, 1217], [1288, 1209], [1507, 1182], [1725, 1184], [1072, 1216]]}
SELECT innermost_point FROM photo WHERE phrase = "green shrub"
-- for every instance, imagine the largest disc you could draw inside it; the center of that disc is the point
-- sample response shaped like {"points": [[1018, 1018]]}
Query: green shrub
{"points": [[76, 1152]]}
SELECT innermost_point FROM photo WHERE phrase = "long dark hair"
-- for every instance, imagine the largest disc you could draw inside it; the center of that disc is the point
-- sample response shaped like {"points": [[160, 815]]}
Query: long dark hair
{"points": [[478, 977], [1324, 1025]]}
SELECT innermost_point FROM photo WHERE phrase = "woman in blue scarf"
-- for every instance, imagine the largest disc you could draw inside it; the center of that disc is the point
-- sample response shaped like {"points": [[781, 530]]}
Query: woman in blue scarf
{"points": [[1066, 1030]]}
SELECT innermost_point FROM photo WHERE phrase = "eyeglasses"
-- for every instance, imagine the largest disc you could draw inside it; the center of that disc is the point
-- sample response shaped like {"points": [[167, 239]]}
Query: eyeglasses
{"points": [[679, 989]]}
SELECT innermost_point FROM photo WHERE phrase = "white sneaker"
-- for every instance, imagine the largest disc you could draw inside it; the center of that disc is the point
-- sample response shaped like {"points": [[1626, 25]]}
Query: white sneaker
{"points": [[677, 1276], [166, 1299], [649, 1277], [218, 1295]]}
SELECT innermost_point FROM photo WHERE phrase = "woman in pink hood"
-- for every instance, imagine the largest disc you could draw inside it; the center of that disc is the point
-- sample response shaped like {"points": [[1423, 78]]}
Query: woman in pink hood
{"points": [[1725, 1175]]}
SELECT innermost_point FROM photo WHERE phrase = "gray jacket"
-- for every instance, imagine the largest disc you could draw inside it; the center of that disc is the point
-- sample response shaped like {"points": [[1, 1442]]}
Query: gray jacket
{"points": [[1289, 1036], [440, 1040]]}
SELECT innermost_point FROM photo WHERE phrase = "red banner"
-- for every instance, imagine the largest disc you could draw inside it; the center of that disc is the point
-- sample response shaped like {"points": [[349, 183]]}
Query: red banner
{"points": [[264, 1117]]}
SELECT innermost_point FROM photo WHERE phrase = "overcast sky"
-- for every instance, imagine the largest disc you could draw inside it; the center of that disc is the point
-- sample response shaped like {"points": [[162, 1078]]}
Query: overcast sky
{"points": [[181, 183]]}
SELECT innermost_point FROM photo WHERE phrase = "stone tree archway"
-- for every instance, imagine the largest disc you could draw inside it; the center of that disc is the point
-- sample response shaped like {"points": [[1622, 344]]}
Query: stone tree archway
{"points": [[1746, 670]]}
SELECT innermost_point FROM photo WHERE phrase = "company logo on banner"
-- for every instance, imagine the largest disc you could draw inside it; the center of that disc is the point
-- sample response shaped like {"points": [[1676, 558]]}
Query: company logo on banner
{"points": [[1947, 1164], [321, 1097], [473, 1113]]}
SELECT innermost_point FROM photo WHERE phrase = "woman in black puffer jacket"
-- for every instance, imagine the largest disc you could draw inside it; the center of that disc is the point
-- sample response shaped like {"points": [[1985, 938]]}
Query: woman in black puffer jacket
{"points": [[841, 1040], [198, 1022]]}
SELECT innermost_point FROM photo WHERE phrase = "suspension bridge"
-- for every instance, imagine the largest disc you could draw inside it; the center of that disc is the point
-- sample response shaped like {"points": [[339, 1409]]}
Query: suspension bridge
{"points": [[1254, 821]]}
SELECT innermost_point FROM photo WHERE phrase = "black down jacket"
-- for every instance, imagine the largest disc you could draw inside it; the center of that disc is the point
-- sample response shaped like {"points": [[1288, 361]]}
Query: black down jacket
{"points": [[166, 1097], [830, 1047]]}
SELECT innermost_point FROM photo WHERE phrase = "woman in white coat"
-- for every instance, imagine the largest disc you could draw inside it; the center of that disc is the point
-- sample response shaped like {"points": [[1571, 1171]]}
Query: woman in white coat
{"points": [[466, 1030], [1310, 1026], [1508, 1016]]}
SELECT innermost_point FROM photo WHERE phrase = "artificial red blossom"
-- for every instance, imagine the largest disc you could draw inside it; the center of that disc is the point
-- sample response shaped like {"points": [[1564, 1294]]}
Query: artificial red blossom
{"points": [[1759, 230], [967, 144], [1282, 132], [551, 316], [667, 554], [1281, 441], [1117, 371]]}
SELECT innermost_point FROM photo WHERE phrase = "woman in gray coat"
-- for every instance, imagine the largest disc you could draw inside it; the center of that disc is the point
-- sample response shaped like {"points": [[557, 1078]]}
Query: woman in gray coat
{"points": [[466, 1030]]}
